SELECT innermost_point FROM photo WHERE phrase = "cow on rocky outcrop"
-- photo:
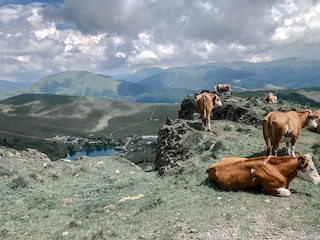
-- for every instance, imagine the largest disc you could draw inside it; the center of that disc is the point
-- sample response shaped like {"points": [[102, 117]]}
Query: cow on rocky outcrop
{"points": [[204, 104], [271, 174], [270, 98], [285, 126], [223, 88]]}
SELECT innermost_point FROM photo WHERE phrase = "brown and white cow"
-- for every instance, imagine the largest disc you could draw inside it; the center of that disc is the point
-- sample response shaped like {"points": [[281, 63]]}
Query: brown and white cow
{"points": [[204, 104], [311, 174], [285, 126], [270, 98], [223, 88], [317, 114], [270, 173]]}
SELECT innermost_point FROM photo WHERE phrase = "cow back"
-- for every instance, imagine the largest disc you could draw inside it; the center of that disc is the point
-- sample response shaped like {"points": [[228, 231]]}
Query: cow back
{"points": [[236, 173], [285, 123]]}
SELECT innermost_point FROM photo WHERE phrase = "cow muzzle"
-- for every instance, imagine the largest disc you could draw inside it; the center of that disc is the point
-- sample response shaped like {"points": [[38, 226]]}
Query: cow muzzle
{"points": [[313, 123]]}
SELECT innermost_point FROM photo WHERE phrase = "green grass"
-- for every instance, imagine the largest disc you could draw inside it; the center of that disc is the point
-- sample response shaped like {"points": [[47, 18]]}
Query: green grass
{"points": [[84, 199]]}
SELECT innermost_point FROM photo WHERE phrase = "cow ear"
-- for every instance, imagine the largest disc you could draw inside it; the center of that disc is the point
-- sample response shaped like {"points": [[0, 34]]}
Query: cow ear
{"points": [[303, 162]]}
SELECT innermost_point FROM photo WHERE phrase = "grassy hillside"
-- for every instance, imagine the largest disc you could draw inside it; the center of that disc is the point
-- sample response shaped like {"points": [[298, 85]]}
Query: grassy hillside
{"points": [[26, 120], [309, 97], [41, 115], [76, 83], [111, 198]]}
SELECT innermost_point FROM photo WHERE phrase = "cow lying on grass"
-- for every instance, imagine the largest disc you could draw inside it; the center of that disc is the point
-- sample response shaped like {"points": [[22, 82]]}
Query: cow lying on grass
{"points": [[270, 173], [270, 98], [286, 126], [204, 104]]}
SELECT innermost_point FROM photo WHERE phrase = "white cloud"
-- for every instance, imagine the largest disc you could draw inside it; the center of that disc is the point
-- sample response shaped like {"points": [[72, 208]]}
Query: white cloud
{"points": [[107, 35]]}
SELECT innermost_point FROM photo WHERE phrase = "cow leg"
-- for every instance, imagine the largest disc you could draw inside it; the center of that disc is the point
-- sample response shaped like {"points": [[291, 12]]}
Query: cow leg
{"points": [[203, 124], [293, 142], [272, 181], [275, 145], [266, 135], [208, 119], [209, 125], [289, 148], [293, 154]]}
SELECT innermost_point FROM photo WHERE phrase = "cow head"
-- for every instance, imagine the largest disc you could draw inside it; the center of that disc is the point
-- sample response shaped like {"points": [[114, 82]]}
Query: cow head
{"points": [[269, 96], [216, 100], [312, 123], [310, 173]]}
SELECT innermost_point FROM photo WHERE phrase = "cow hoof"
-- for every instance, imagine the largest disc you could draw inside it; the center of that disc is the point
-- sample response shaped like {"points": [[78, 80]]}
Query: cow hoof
{"points": [[283, 192]]}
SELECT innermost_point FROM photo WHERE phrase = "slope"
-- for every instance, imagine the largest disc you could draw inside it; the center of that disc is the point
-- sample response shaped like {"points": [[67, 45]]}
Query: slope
{"points": [[111, 198], [44, 116]]}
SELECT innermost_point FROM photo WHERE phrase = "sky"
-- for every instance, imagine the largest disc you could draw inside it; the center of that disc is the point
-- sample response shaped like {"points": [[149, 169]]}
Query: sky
{"points": [[40, 38]]}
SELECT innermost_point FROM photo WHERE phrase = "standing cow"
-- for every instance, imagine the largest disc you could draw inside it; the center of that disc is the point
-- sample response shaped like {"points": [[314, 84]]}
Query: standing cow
{"points": [[204, 104], [223, 88], [277, 125]]}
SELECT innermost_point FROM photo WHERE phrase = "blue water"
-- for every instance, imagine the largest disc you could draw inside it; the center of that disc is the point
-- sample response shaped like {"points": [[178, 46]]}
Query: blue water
{"points": [[93, 153]]}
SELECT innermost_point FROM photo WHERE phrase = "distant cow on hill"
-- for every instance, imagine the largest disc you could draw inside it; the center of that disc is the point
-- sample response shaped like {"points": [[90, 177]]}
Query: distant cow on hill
{"points": [[204, 104], [223, 88], [270, 173], [278, 125], [270, 98]]}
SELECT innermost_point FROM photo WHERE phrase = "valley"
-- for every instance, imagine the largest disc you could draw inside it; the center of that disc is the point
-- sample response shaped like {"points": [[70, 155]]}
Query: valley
{"points": [[44, 122]]}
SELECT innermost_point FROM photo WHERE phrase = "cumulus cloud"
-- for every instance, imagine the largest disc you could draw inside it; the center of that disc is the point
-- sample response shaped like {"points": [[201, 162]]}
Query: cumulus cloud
{"points": [[107, 36]]}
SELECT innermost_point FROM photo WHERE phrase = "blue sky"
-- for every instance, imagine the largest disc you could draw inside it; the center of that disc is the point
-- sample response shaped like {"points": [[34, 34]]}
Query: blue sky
{"points": [[39, 38]]}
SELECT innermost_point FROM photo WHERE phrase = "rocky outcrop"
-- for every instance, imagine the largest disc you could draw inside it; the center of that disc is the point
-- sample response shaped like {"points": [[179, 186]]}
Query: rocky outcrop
{"points": [[169, 149], [28, 153], [187, 108], [228, 111]]}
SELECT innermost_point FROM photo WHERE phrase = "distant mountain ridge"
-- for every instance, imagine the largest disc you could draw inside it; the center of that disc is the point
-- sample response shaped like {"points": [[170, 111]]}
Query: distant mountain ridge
{"points": [[173, 84], [290, 73], [7, 86], [81, 83]]}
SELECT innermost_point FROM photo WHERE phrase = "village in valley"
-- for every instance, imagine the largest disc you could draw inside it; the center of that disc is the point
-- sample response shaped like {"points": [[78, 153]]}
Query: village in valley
{"points": [[131, 148]]}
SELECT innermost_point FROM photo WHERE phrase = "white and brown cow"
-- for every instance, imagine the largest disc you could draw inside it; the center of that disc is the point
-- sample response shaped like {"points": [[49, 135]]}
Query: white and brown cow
{"points": [[317, 114], [270, 98], [285, 126], [223, 88], [271, 174], [204, 104]]}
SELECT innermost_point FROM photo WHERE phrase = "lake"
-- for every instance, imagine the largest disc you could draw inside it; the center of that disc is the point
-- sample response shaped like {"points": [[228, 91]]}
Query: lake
{"points": [[93, 153]]}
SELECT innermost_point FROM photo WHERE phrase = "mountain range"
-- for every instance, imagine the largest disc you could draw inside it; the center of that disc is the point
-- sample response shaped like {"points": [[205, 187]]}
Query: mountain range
{"points": [[173, 84]]}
